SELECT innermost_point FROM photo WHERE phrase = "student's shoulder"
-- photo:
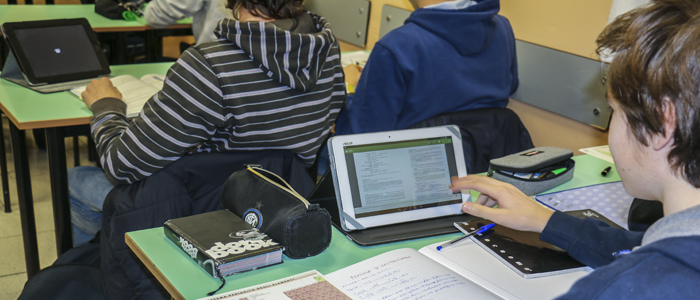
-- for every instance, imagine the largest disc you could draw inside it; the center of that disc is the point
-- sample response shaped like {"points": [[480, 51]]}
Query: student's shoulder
{"points": [[403, 39], [404, 34], [215, 46], [503, 23], [214, 52]]}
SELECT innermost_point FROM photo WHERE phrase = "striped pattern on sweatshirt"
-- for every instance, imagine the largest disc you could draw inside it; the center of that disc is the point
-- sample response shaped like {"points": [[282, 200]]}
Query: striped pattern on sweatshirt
{"points": [[256, 88]]}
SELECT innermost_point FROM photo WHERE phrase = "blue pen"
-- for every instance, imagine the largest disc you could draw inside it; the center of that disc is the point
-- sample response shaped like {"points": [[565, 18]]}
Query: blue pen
{"points": [[478, 231], [621, 253], [545, 204]]}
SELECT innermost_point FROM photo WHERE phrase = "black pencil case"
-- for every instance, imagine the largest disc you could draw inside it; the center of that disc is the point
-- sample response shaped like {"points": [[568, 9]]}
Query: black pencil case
{"points": [[535, 170], [269, 203]]}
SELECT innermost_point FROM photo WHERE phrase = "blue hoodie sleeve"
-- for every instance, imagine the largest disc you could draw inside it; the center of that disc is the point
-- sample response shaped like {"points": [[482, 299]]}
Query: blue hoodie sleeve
{"points": [[379, 96], [590, 241]]}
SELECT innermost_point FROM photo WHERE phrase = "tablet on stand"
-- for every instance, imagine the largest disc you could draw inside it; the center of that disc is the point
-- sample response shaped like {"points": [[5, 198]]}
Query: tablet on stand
{"points": [[53, 55], [394, 185]]}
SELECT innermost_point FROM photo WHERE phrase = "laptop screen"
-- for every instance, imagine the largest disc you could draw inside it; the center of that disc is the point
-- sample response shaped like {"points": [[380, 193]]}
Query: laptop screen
{"points": [[54, 51]]}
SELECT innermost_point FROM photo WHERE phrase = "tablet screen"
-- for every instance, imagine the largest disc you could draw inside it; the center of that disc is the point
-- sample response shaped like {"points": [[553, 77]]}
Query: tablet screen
{"points": [[397, 176], [401, 176], [54, 51], [58, 50]]}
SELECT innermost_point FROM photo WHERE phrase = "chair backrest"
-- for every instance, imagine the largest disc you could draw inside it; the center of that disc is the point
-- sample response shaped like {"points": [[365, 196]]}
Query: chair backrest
{"points": [[487, 133], [29, 2]]}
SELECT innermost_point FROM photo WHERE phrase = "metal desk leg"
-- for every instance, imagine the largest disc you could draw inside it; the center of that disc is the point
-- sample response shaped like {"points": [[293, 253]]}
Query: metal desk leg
{"points": [[121, 48], [3, 171], [152, 46], [76, 153], [26, 201], [56, 148]]}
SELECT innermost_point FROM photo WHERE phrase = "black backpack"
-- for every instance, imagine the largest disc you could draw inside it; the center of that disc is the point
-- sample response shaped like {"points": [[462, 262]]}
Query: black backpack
{"points": [[119, 9]]}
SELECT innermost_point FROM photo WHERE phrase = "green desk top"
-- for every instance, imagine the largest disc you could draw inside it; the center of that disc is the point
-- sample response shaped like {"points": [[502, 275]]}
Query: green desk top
{"points": [[29, 109], [18, 13], [192, 282]]}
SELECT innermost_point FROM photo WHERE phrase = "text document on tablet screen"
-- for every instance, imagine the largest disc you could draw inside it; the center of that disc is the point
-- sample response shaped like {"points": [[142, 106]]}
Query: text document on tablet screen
{"points": [[400, 176]]}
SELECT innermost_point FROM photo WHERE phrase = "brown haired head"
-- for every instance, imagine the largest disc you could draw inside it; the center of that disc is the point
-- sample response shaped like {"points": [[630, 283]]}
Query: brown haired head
{"points": [[657, 58], [275, 9]]}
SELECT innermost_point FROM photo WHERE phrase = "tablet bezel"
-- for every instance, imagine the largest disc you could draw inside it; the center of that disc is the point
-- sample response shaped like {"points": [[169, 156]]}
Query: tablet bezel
{"points": [[8, 31], [341, 176]]}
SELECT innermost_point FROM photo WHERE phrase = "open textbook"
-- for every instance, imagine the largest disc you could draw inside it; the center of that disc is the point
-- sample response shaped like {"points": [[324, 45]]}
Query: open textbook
{"points": [[461, 271], [354, 58], [135, 91]]}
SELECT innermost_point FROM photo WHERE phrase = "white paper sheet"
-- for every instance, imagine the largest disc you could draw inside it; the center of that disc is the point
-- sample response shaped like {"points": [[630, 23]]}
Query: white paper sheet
{"points": [[405, 274]]}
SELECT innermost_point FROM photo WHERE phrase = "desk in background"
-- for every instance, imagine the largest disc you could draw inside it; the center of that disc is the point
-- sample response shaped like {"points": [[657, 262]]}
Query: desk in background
{"points": [[100, 24], [184, 279], [56, 112]]}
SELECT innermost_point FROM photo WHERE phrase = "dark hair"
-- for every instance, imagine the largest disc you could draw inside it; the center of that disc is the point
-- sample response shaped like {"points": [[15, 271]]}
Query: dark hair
{"points": [[276, 9], [657, 57]]}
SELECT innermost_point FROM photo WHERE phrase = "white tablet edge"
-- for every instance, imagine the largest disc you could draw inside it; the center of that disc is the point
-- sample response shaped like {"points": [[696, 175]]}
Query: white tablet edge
{"points": [[344, 195]]}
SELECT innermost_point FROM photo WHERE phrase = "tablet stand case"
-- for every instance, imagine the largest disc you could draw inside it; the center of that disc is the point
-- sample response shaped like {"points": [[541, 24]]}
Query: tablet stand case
{"points": [[11, 72], [324, 195]]}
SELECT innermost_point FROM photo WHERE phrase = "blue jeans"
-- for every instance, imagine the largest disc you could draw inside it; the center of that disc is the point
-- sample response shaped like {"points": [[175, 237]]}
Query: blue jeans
{"points": [[88, 187]]}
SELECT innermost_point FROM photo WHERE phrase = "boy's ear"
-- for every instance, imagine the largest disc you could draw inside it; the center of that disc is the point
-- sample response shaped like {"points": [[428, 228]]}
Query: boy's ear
{"points": [[660, 141]]}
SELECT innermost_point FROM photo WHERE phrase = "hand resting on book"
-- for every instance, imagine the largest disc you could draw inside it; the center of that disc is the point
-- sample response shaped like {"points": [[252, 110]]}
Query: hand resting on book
{"points": [[98, 89], [515, 209]]}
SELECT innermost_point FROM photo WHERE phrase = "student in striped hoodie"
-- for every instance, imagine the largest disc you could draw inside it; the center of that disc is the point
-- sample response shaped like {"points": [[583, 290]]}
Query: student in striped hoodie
{"points": [[272, 81]]}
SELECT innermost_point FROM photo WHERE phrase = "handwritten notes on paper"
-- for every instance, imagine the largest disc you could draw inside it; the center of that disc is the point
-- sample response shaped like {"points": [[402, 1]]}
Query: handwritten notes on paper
{"points": [[405, 274], [307, 285]]}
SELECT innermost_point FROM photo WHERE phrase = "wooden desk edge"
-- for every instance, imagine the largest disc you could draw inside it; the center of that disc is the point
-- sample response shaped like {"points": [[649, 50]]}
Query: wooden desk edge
{"points": [[120, 29], [139, 28], [44, 124], [151, 267], [174, 26]]}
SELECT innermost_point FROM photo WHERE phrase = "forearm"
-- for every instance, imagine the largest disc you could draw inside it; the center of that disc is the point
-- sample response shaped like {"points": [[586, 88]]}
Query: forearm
{"points": [[590, 241], [167, 127], [109, 121]]}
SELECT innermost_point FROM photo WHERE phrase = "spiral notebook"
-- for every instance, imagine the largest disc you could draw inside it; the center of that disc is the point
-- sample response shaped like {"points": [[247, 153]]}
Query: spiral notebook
{"points": [[524, 253]]}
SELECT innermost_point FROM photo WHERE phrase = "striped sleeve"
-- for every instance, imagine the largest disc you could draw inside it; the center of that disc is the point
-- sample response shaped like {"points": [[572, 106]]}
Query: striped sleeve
{"points": [[185, 113]]}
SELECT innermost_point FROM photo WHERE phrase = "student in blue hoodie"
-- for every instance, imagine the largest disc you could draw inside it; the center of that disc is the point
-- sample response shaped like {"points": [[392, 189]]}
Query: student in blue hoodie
{"points": [[448, 56], [653, 87]]}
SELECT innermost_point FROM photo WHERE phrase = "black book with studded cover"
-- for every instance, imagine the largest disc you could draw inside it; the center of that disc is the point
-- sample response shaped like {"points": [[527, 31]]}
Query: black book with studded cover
{"points": [[222, 243], [270, 204]]}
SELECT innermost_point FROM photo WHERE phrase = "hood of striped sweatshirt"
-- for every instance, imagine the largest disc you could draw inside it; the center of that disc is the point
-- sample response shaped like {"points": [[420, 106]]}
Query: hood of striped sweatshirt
{"points": [[293, 59]]}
